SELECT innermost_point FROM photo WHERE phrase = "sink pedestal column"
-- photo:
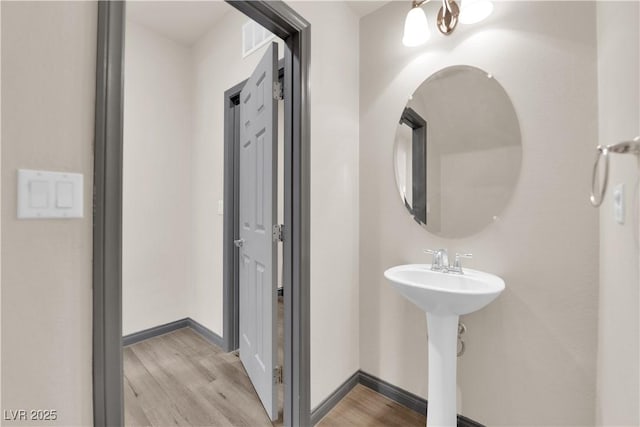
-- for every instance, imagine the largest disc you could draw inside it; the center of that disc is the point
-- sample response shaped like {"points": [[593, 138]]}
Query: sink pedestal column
{"points": [[443, 348]]}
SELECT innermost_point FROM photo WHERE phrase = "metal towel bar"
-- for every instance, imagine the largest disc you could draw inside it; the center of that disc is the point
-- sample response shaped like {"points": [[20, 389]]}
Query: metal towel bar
{"points": [[602, 154]]}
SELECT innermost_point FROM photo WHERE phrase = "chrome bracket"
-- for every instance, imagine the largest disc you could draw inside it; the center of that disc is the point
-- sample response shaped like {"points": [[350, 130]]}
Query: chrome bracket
{"points": [[461, 347], [448, 17]]}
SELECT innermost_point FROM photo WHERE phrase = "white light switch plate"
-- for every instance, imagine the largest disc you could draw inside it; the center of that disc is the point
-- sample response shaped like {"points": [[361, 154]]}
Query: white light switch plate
{"points": [[220, 207], [45, 194]]}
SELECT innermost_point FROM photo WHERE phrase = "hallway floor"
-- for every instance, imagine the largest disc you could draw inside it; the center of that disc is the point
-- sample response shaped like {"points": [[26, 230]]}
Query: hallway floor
{"points": [[180, 379]]}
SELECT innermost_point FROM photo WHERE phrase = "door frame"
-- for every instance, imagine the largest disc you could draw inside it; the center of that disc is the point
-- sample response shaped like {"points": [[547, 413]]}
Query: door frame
{"points": [[418, 125], [284, 22]]}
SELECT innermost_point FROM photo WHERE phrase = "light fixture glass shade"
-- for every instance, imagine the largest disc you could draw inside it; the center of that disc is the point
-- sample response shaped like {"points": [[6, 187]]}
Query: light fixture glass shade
{"points": [[416, 30], [474, 11]]}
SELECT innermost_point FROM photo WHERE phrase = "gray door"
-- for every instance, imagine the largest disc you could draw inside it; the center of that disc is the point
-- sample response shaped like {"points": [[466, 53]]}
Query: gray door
{"points": [[258, 200]]}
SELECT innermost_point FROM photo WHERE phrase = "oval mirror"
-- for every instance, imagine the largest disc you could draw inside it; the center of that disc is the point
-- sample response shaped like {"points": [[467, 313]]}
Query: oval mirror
{"points": [[457, 152]]}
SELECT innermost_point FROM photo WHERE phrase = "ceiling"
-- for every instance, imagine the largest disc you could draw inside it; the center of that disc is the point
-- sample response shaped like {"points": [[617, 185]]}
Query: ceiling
{"points": [[187, 21], [365, 7], [183, 21]]}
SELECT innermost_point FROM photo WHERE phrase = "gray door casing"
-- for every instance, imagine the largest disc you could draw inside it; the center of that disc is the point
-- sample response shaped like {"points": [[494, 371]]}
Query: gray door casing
{"points": [[284, 22], [257, 248]]}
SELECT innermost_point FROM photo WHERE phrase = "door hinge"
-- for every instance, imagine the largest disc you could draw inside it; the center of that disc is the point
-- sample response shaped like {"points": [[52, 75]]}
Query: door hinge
{"points": [[278, 91], [278, 233], [277, 375]]}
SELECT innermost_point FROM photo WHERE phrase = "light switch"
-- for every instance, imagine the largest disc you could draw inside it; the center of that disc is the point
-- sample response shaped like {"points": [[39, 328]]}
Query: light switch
{"points": [[38, 194], [64, 194], [220, 207], [45, 194], [618, 203]]}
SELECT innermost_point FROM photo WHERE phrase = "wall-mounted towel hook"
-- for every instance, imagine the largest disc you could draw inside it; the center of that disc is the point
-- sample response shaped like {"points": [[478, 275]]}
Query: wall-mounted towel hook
{"points": [[602, 154]]}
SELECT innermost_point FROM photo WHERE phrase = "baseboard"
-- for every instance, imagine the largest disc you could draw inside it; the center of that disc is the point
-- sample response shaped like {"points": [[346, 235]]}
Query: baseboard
{"points": [[154, 332], [206, 333], [468, 422], [393, 392], [187, 322], [327, 404]]}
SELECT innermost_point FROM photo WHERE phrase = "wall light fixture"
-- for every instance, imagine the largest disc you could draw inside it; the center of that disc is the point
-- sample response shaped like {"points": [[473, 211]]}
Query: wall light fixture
{"points": [[416, 29]]}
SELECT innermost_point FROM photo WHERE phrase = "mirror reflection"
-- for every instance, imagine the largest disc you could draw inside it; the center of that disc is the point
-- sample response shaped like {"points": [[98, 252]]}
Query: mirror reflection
{"points": [[457, 151]]}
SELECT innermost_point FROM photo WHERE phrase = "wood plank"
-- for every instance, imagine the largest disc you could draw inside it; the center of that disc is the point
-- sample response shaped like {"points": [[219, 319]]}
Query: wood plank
{"points": [[177, 376], [365, 407], [149, 394], [134, 414]]}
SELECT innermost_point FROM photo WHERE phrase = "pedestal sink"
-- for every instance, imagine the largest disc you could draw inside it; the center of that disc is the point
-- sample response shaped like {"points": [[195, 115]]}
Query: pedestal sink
{"points": [[444, 297]]}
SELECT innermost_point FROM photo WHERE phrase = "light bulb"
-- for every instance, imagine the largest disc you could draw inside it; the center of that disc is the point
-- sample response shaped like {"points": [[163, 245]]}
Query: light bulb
{"points": [[416, 30], [474, 11]]}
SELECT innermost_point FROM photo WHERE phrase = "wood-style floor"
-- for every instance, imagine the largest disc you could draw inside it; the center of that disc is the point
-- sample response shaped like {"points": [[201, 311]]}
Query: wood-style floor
{"points": [[365, 407], [180, 379]]}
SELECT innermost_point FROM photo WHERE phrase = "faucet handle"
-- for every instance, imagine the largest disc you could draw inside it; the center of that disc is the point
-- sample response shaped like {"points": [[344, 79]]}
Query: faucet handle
{"points": [[436, 263], [457, 264]]}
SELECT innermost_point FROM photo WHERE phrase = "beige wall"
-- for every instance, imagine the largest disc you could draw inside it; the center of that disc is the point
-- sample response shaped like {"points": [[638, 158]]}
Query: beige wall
{"points": [[156, 259], [530, 356], [48, 86], [619, 310], [334, 194]]}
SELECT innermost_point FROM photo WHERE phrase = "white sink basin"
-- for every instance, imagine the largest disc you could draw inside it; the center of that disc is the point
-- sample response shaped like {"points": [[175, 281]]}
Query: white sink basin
{"points": [[444, 297], [445, 293]]}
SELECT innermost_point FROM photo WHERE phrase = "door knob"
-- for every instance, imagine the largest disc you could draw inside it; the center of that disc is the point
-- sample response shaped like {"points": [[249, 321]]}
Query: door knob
{"points": [[239, 243]]}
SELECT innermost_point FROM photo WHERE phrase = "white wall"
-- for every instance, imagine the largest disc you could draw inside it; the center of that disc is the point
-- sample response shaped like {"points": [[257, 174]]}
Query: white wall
{"points": [[334, 194], [48, 87], [157, 285], [218, 65], [619, 310], [530, 356]]}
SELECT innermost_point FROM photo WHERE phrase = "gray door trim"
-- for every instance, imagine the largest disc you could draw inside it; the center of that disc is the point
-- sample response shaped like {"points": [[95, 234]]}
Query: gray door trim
{"points": [[284, 22], [230, 295], [411, 118], [107, 219]]}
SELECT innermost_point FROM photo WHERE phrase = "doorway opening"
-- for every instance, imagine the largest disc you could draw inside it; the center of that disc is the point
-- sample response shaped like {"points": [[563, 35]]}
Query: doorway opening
{"points": [[108, 245]]}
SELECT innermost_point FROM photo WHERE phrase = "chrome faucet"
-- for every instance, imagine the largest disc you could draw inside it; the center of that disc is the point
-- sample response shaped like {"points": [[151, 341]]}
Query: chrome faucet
{"points": [[441, 261]]}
